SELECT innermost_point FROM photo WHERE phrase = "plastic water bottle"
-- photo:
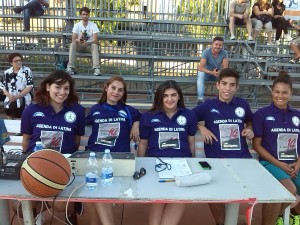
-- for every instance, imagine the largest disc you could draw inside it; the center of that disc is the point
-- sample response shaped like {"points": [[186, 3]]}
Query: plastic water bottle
{"points": [[91, 176], [38, 146], [107, 168]]}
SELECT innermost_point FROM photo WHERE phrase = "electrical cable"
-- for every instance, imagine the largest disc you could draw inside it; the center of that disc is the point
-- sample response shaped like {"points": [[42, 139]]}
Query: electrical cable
{"points": [[66, 212], [55, 217]]}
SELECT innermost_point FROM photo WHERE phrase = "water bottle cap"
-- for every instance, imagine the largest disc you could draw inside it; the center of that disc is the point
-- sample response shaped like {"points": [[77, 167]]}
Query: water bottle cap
{"points": [[93, 154], [38, 143], [107, 151]]}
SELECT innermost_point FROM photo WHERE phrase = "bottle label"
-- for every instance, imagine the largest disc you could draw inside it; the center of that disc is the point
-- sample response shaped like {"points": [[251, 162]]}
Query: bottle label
{"points": [[91, 179], [107, 175]]}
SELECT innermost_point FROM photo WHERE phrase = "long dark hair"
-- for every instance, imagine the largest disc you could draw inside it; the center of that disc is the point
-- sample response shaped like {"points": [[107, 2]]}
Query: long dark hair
{"points": [[103, 98], [283, 77], [159, 95], [58, 77]]}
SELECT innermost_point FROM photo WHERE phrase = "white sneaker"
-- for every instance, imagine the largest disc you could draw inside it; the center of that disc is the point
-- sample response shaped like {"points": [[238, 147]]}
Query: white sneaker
{"points": [[269, 43], [287, 37], [70, 70], [250, 38], [293, 61], [277, 42], [97, 72], [232, 37]]}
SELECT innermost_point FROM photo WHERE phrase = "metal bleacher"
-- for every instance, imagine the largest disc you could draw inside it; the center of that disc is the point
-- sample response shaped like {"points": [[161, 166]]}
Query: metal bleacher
{"points": [[146, 42]]}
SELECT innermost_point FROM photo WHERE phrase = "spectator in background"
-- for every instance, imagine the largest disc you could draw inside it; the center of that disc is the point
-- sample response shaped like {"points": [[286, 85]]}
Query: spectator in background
{"points": [[213, 59], [276, 129], [84, 39], [280, 22], [32, 8], [262, 13], [16, 85], [295, 47], [239, 15], [225, 123]]}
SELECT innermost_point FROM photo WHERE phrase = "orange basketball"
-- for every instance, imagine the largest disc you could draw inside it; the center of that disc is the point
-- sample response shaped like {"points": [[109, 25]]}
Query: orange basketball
{"points": [[45, 173]]}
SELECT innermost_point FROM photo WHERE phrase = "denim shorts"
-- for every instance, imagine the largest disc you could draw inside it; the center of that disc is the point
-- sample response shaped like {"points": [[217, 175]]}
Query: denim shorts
{"points": [[280, 174]]}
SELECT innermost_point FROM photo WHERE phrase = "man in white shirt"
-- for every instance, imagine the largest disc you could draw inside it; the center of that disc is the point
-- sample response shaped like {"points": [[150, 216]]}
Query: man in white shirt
{"points": [[32, 8], [84, 39]]}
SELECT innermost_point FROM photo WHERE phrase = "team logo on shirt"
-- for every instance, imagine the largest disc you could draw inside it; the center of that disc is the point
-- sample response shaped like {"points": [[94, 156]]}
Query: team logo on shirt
{"points": [[271, 118], [70, 117], [155, 121], [239, 111], [122, 113], [181, 120], [215, 110], [96, 113], [36, 114], [295, 120]]}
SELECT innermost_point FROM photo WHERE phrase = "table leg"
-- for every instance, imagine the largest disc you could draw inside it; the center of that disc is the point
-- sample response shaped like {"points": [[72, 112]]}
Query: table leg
{"points": [[231, 213], [27, 213], [4, 212], [286, 215]]}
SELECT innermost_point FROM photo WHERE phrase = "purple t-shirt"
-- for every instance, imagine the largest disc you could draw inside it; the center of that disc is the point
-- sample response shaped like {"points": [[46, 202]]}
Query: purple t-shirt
{"points": [[168, 137], [56, 130], [279, 131], [226, 122], [111, 125]]}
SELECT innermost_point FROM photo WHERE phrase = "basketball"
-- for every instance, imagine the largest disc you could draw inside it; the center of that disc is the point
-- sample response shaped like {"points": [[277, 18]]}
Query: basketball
{"points": [[45, 173]]}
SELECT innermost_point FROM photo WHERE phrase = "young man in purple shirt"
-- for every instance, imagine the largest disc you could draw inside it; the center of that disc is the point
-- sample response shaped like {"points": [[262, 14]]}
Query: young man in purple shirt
{"points": [[276, 128], [225, 123]]}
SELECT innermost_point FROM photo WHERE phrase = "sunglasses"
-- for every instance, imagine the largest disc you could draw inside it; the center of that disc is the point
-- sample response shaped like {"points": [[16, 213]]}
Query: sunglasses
{"points": [[138, 174], [161, 166]]}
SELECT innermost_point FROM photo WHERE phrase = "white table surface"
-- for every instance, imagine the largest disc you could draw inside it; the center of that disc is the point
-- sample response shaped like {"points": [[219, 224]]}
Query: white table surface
{"points": [[234, 181]]}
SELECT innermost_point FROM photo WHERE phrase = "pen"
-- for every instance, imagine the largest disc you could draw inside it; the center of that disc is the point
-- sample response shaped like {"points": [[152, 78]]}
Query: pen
{"points": [[171, 180]]}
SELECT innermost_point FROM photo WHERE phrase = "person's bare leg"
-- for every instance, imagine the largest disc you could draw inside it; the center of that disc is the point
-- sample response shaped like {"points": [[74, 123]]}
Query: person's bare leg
{"points": [[218, 212], [105, 212], [255, 33], [270, 213], [172, 214], [156, 213], [269, 37], [296, 51], [90, 209], [231, 25]]}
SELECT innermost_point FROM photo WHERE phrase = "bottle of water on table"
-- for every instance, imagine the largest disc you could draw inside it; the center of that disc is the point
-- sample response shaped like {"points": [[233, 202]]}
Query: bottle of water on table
{"points": [[91, 176], [38, 146], [107, 168]]}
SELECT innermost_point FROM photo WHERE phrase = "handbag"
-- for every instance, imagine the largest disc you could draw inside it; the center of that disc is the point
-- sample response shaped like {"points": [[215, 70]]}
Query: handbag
{"points": [[264, 18]]}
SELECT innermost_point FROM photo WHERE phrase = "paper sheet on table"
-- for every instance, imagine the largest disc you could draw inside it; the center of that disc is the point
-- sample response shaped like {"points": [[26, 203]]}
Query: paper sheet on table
{"points": [[180, 167]]}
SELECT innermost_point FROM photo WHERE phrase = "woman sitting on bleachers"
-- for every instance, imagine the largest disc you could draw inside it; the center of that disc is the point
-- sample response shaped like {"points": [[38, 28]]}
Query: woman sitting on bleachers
{"points": [[262, 12]]}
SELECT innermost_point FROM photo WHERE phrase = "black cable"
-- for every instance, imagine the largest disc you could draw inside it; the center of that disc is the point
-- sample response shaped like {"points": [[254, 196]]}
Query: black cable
{"points": [[71, 181], [52, 216], [12, 219], [122, 214]]}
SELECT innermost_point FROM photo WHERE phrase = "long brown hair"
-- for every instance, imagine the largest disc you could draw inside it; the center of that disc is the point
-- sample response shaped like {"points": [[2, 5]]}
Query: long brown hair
{"points": [[58, 77], [103, 98], [159, 95]]}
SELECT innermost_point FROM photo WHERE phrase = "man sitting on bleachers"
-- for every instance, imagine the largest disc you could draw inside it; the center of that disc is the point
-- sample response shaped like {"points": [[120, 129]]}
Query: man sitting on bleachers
{"points": [[84, 39], [32, 8], [239, 15]]}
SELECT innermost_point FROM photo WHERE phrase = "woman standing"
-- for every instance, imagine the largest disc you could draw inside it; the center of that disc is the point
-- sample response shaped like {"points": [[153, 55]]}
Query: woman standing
{"points": [[167, 120], [262, 12], [276, 130], [16, 85], [113, 122]]}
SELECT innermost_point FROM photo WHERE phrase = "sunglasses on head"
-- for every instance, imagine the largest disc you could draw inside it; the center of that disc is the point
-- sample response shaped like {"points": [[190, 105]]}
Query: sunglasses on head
{"points": [[138, 174]]}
